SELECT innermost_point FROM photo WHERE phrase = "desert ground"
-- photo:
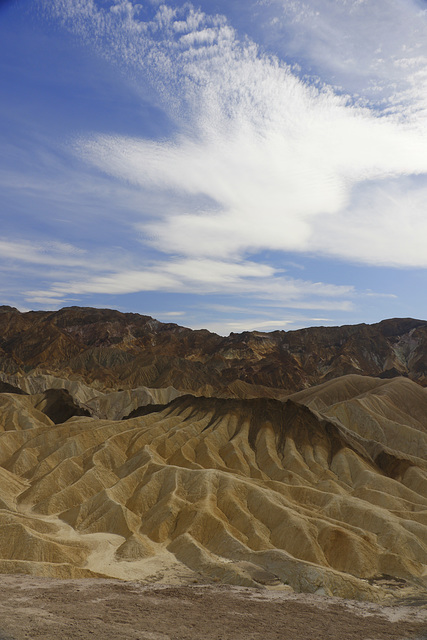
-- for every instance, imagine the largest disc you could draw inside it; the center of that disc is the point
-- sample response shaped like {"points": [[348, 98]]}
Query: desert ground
{"points": [[47, 609]]}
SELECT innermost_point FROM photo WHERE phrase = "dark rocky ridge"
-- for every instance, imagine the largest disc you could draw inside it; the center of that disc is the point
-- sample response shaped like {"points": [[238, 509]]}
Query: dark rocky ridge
{"points": [[126, 350]]}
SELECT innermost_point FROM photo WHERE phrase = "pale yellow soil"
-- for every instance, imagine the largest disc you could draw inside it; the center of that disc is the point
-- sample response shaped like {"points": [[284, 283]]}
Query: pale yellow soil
{"points": [[325, 493]]}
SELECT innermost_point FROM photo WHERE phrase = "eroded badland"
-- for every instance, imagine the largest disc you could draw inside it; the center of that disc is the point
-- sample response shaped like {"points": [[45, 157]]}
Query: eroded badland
{"points": [[292, 461]]}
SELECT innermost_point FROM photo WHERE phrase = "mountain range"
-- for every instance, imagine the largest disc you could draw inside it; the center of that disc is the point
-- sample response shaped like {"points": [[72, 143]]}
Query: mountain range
{"points": [[111, 349]]}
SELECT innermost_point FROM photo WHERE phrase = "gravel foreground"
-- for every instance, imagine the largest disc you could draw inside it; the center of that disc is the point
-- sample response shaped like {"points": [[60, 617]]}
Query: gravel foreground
{"points": [[42, 608]]}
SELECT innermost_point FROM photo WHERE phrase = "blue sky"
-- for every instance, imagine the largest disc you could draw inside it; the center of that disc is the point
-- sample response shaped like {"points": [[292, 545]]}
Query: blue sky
{"points": [[227, 165]]}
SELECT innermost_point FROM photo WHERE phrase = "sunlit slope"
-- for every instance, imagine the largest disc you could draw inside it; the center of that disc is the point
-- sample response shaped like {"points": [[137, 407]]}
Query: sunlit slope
{"points": [[244, 491], [391, 412], [112, 405]]}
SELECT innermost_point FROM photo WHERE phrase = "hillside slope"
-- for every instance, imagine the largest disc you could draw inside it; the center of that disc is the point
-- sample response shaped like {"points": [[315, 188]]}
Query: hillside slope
{"points": [[243, 491], [112, 350]]}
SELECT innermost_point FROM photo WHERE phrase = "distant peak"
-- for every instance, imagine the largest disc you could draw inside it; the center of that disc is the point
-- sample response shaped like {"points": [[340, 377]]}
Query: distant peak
{"points": [[7, 309]]}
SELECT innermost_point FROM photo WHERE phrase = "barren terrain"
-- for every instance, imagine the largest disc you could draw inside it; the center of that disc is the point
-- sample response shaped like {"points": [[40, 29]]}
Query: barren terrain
{"points": [[45, 609], [211, 504]]}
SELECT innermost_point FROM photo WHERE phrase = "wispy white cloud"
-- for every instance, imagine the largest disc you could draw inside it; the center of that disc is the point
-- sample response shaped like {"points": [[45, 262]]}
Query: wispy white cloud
{"points": [[60, 259], [386, 224], [280, 158], [210, 277], [257, 323], [251, 324], [70, 273], [47, 253], [375, 50], [48, 301], [168, 314]]}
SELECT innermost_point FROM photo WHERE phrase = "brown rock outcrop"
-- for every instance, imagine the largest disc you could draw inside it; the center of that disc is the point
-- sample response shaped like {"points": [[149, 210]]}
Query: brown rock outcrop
{"points": [[113, 350]]}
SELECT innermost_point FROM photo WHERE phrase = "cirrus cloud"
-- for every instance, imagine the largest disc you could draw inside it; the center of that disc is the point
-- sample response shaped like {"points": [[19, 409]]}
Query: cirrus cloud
{"points": [[277, 157]]}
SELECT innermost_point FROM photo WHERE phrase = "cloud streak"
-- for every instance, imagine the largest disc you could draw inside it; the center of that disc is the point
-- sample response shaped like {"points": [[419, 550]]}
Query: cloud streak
{"points": [[72, 273], [207, 276]]}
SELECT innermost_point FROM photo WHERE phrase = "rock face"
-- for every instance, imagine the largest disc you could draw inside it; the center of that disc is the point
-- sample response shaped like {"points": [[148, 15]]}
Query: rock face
{"points": [[321, 490], [113, 350]]}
